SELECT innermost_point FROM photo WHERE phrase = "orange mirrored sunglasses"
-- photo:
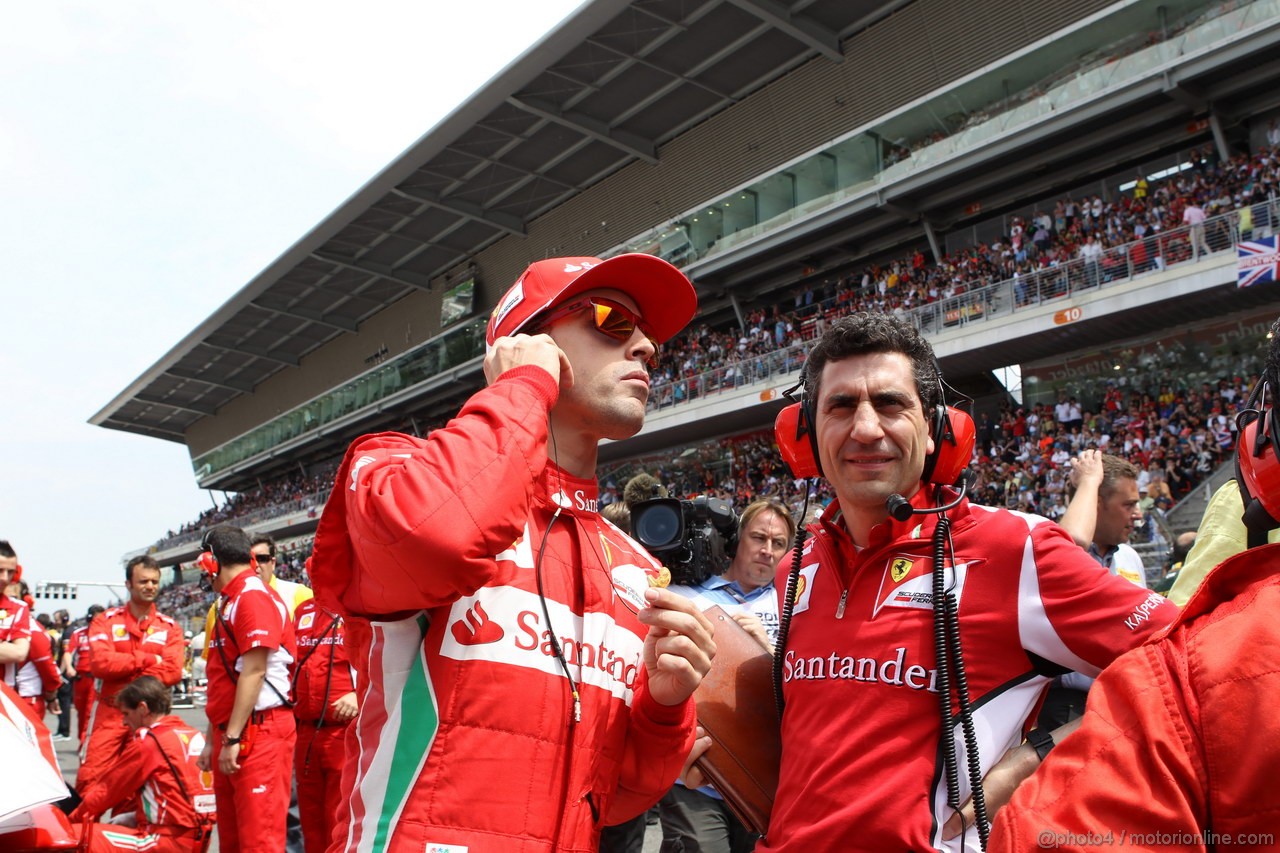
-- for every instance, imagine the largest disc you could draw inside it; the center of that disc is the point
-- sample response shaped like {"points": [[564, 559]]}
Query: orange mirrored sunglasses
{"points": [[609, 319]]}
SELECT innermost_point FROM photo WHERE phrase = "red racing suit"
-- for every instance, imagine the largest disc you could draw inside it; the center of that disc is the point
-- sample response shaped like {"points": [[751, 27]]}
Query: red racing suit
{"points": [[39, 677], [124, 648], [1177, 749], [467, 736], [861, 766], [15, 624], [156, 776], [82, 690], [322, 674]]}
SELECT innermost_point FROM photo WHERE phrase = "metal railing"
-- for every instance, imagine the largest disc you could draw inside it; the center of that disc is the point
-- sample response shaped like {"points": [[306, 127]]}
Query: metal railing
{"points": [[1111, 266]]}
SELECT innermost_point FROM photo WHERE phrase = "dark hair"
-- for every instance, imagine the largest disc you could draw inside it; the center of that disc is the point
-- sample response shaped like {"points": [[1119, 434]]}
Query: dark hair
{"points": [[44, 620], [144, 688], [94, 610], [264, 539], [862, 333], [145, 560], [6, 550], [230, 545]]}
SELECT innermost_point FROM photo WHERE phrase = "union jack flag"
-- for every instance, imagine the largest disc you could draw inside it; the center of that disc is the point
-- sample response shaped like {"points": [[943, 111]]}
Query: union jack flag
{"points": [[1257, 261]]}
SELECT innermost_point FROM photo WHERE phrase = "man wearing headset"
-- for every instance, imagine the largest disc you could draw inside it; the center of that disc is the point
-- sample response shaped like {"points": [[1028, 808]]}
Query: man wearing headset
{"points": [[1186, 725], [251, 735], [861, 756], [523, 682]]}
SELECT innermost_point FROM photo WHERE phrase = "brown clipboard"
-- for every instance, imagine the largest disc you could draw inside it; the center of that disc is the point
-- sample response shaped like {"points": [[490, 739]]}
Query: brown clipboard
{"points": [[735, 705]]}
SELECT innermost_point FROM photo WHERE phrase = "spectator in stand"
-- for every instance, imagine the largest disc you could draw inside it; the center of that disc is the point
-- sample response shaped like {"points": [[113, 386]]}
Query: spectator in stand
{"points": [[15, 618], [125, 642], [155, 778]]}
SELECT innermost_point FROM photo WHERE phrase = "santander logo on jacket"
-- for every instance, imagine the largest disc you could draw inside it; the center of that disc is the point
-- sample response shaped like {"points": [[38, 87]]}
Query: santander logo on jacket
{"points": [[506, 625]]}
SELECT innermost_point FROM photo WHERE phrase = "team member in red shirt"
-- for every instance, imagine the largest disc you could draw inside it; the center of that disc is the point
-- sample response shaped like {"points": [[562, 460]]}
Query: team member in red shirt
{"points": [[251, 733], [325, 693], [126, 642], [155, 776], [77, 666], [864, 760], [15, 619], [38, 679]]}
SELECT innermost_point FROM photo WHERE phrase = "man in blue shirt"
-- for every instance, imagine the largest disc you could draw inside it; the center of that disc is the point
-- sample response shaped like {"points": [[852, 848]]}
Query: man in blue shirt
{"points": [[698, 821]]}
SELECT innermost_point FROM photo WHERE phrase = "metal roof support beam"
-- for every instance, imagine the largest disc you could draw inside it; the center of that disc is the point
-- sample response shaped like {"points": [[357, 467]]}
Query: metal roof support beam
{"points": [[932, 237], [1219, 138], [408, 279], [502, 221], [194, 376], [173, 404], [342, 324], [630, 143], [279, 358], [803, 30]]}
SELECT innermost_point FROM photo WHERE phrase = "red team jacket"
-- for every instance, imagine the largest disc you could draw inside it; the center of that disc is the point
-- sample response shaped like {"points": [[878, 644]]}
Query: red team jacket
{"points": [[860, 761], [15, 624], [146, 778], [466, 734], [39, 674], [322, 672], [1178, 748], [124, 648]]}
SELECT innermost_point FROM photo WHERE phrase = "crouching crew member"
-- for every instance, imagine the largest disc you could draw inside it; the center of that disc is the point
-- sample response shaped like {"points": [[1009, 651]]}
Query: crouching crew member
{"points": [[155, 776]]}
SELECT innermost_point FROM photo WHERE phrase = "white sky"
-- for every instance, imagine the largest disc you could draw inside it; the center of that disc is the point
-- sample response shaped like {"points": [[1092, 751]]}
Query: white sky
{"points": [[154, 157]]}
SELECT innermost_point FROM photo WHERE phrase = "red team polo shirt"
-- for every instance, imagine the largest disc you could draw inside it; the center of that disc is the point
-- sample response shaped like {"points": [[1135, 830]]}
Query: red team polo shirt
{"points": [[250, 616]]}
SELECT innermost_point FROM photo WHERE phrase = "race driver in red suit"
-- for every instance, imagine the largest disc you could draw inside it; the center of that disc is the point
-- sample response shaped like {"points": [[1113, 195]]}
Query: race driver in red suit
{"points": [[324, 696], [523, 683], [250, 740], [155, 777], [126, 642]]}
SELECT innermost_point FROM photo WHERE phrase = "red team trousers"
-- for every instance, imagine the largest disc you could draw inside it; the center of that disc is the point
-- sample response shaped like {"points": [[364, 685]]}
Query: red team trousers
{"points": [[318, 760], [253, 802]]}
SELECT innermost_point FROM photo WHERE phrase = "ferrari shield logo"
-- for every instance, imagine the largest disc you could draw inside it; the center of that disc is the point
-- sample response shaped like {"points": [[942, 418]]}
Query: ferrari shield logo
{"points": [[899, 568]]}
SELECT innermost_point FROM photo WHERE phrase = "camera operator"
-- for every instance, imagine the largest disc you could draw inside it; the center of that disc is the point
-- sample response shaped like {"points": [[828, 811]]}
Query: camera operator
{"points": [[698, 821]]}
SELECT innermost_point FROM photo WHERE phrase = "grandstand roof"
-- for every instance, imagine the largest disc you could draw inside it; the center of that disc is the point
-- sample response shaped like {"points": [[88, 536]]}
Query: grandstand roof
{"points": [[609, 86]]}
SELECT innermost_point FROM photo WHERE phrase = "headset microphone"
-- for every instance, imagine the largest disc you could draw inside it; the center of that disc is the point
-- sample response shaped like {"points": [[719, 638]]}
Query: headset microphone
{"points": [[900, 509]]}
